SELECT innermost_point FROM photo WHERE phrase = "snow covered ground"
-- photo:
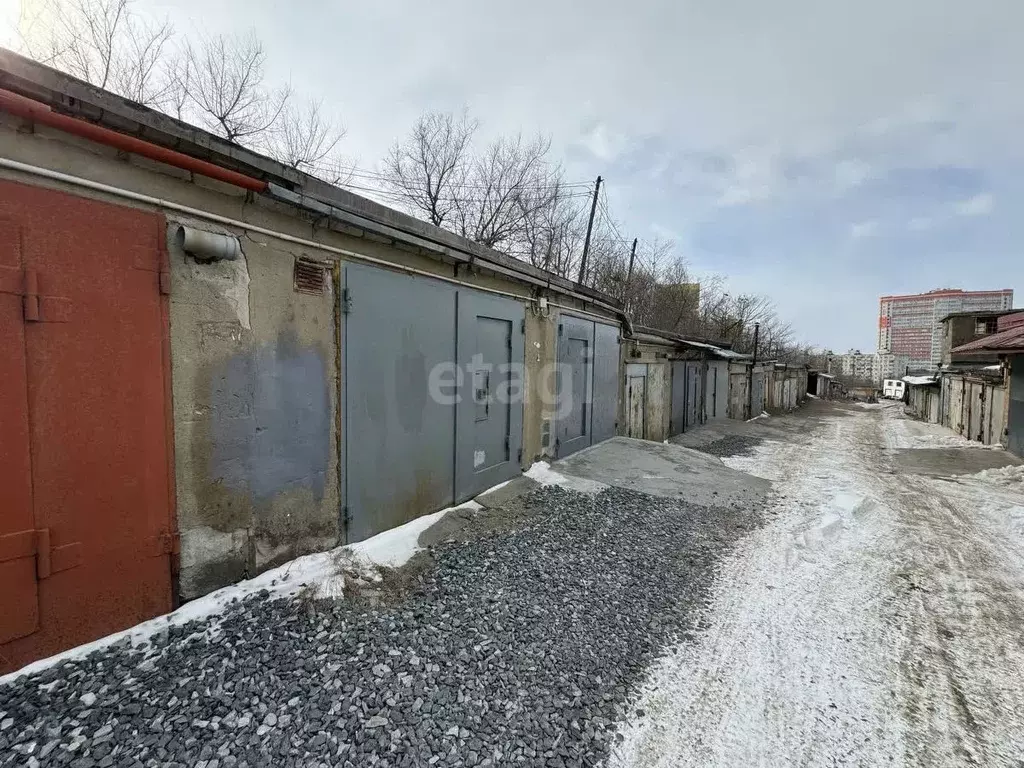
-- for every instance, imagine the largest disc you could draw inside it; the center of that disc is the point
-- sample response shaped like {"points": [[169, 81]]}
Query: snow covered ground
{"points": [[874, 620]]}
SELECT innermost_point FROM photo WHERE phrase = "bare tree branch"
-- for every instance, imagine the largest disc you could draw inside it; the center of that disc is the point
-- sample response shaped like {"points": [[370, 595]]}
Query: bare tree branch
{"points": [[228, 87], [428, 170], [306, 140], [100, 41]]}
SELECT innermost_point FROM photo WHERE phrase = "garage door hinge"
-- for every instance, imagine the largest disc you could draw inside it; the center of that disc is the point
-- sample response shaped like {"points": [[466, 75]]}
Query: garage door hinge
{"points": [[559, 329], [165, 282], [522, 325], [346, 301], [519, 456], [346, 515]]}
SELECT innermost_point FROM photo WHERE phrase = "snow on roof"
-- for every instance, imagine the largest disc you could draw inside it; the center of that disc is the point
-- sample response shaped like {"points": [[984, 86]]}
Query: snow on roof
{"points": [[919, 380], [729, 354]]}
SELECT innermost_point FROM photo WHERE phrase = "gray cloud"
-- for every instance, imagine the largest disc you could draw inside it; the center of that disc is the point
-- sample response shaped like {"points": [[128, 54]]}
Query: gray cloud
{"points": [[768, 130]]}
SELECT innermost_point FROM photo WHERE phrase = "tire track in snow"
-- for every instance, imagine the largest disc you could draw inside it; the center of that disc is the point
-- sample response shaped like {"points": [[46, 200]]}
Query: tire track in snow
{"points": [[793, 668], [894, 639]]}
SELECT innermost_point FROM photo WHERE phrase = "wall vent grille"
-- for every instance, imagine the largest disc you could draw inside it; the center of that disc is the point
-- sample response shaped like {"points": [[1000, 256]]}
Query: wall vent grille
{"points": [[310, 276]]}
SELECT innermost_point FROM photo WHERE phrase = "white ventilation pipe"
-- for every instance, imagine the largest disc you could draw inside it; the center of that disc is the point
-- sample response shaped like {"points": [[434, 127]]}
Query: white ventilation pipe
{"points": [[207, 246]]}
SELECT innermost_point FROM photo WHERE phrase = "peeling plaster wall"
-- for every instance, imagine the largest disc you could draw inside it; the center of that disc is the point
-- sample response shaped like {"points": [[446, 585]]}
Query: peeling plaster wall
{"points": [[254, 393]]}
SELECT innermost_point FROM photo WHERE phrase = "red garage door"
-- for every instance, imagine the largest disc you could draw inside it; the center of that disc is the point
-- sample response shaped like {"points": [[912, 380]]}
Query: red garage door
{"points": [[86, 502]]}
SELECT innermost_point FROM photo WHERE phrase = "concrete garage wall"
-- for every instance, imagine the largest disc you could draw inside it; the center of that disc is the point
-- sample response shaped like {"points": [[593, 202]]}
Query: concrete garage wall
{"points": [[256, 377], [255, 393], [541, 340]]}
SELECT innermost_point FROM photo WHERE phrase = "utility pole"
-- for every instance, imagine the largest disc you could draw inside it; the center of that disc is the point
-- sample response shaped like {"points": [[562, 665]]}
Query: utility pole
{"points": [[590, 227], [750, 385], [629, 272]]}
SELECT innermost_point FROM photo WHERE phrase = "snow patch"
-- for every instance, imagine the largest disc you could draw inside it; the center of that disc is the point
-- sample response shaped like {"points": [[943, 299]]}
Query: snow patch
{"points": [[1011, 477], [541, 472], [322, 571]]}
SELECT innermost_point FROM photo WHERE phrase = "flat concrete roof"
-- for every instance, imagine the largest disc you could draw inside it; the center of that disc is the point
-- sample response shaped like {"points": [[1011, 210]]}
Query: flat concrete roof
{"points": [[70, 96]]}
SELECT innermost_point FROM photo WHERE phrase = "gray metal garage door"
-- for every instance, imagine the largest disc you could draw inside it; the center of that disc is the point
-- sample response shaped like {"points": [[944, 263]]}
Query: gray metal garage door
{"points": [[575, 371], [399, 441], [606, 381], [1015, 420], [588, 383], [490, 417], [757, 395], [677, 416], [694, 393], [426, 421]]}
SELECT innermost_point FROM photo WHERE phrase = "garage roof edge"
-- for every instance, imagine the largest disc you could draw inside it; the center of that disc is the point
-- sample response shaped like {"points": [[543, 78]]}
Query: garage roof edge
{"points": [[80, 99]]}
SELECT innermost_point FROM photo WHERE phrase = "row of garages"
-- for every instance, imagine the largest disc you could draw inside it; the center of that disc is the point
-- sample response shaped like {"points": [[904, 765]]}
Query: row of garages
{"points": [[983, 401], [973, 403], [216, 364], [674, 384]]}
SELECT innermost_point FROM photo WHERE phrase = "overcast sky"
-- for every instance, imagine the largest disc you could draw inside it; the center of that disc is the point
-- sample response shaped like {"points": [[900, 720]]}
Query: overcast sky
{"points": [[822, 152]]}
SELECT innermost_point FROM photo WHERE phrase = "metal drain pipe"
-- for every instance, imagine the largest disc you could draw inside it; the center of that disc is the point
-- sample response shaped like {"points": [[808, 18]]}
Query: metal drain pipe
{"points": [[37, 112]]}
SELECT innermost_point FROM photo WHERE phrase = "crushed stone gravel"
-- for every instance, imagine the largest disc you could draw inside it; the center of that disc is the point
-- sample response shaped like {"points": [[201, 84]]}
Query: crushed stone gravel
{"points": [[517, 647], [731, 445]]}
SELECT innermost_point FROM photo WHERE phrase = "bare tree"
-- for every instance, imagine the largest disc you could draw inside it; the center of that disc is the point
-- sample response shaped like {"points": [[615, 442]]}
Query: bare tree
{"points": [[141, 73], [228, 87], [177, 100], [508, 184], [428, 170], [552, 234], [103, 42], [307, 141]]}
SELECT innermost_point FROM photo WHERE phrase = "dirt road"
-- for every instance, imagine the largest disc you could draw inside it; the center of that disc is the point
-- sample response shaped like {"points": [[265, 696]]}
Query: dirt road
{"points": [[877, 619]]}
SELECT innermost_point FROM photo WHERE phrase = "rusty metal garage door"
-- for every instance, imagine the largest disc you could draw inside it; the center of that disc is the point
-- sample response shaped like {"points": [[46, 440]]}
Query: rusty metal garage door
{"points": [[86, 501]]}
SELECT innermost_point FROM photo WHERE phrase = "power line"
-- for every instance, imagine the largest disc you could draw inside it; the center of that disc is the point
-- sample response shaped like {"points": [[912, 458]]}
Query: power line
{"points": [[373, 176], [413, 194]]}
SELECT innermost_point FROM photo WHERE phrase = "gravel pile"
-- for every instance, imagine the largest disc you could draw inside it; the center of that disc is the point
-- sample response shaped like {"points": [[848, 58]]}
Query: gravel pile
{"points": [[731, 445], [515, 648]]}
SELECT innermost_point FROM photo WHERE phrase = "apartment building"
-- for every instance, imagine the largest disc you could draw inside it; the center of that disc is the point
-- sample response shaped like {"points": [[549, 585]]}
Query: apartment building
{"points": [[911, 325]]}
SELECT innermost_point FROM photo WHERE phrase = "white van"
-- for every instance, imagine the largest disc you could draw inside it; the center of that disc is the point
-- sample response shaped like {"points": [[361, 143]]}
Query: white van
{"points": [[893, 389]]}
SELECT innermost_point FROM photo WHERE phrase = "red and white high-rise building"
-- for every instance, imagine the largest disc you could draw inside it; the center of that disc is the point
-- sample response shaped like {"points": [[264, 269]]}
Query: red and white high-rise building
{"points": [[911, 325]]}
